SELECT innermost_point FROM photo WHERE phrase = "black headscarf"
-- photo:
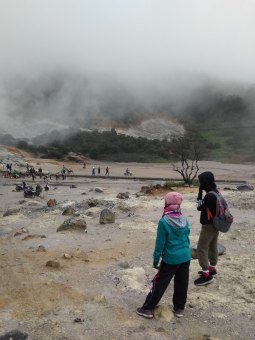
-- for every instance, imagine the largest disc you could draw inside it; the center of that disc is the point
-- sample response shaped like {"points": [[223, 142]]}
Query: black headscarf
{"points": [[207, 181]]}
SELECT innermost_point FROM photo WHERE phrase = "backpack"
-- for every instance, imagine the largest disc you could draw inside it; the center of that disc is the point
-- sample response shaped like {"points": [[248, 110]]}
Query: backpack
{"points": [[223, 217]]}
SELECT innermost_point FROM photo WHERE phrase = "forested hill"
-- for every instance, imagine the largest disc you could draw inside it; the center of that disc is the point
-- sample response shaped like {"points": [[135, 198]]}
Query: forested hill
{"points": [[227, 123], [222, 123]]}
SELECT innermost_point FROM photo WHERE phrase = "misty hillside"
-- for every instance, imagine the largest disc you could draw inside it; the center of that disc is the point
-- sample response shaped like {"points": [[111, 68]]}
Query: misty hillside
{"points": [[147, 69], [54, 108]]}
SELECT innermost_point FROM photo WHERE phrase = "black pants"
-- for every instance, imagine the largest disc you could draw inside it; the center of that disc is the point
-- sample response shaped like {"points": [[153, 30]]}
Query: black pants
{"points": [[161, 281]]}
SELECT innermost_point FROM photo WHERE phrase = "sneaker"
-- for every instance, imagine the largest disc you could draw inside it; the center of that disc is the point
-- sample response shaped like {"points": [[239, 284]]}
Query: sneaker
{"points": [[211, 272], [178, 312], [203, 280], [146, 313]]}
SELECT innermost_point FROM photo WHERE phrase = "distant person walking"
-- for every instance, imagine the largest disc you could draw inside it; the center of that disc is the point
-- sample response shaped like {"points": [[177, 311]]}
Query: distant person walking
{"points": [[98, 170], [207, 247], [40, 172], [9, 168], [172, 248], [107, 171], [63, 173]]}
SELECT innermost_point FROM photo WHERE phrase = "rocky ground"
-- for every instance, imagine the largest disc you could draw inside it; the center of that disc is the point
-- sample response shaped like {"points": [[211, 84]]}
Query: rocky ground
{"points": [[96, 278]]}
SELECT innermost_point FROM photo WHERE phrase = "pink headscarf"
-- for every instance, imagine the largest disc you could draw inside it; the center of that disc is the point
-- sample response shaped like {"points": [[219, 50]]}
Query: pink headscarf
{"points": [[173, 201]]}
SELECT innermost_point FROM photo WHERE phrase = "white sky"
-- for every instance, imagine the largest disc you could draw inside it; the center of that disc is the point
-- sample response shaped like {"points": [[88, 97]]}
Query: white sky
{"points": [[129, 38]]}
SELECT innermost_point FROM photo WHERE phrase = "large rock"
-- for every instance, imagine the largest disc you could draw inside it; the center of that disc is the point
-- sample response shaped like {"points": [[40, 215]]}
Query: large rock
{"points": [[92, 202], [123, 195], [106, 216], [14, 335], [52, 202], [10, 212], [53, 264], [146, 189], [193, 251], [69, 211], [245, 187], [99, 190], [73, 224]]}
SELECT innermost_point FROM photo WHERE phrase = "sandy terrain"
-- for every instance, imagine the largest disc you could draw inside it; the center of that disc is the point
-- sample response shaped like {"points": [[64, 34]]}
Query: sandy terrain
{"points": [[105, 275]]}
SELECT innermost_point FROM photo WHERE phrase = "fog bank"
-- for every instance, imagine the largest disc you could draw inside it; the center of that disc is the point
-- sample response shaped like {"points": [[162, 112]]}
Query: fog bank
{"points": [[66, 63]]}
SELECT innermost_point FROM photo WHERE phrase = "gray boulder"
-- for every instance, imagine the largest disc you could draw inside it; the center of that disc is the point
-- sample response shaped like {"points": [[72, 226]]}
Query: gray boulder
{"points": [[73, 224], [99, 190], [123, 195], [69, 211], [106, 216], [245, 187], [193, 251], [92, 202], [14, 335]]}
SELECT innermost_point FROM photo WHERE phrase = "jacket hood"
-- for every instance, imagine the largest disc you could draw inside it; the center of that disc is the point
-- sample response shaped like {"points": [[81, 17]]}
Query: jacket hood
{"points": [[207, 181], [177, 223]]}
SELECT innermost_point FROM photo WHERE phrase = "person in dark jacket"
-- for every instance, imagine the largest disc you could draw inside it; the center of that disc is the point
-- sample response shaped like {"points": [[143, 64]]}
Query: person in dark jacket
{"points": [[172, 251], [207, 247]]}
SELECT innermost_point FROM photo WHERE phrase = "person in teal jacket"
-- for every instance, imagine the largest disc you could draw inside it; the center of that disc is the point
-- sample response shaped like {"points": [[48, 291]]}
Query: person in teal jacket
{"points": [[171, 257]]}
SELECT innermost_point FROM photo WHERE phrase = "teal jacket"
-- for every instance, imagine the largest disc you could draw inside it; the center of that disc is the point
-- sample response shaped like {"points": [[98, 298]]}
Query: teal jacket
{"points": [[172, 241]]}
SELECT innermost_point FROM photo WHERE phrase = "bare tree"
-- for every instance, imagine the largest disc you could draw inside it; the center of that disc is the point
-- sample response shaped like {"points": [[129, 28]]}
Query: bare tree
{"points": [[187, 151]]}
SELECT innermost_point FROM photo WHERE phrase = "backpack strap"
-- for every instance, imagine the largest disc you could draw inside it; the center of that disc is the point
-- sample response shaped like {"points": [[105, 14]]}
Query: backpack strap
{"points": [[209, 214], [218, 197], [217, 194]]}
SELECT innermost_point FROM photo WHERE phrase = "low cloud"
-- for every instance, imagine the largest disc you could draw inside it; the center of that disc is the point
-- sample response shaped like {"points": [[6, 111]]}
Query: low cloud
{"points": [[63, 63]]}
